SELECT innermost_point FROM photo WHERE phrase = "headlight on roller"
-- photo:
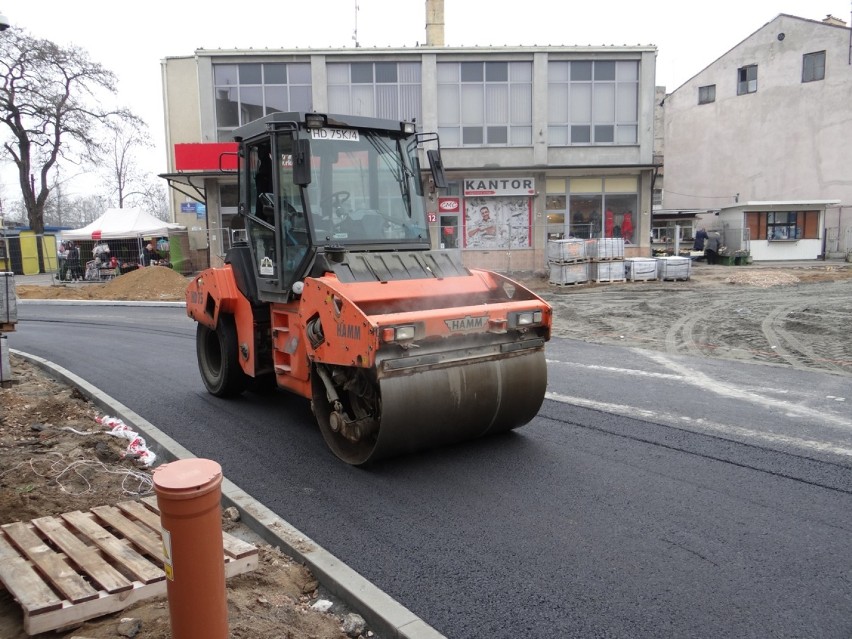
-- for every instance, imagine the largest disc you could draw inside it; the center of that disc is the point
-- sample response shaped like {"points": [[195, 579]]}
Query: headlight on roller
{"points": [[398, 333], [524, 318]]}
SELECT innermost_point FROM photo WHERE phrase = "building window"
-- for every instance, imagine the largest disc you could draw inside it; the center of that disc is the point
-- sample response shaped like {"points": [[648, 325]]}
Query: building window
{"points": [[375, 89], [248, 91], [603, 207], [593, 102], [783, 225], [813, 66], [747, 79], [485, 103], [707, 94]]}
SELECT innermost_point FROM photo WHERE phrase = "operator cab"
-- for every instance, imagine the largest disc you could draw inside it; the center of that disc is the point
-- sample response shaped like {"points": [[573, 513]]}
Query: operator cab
{"points": [[315, 186]]}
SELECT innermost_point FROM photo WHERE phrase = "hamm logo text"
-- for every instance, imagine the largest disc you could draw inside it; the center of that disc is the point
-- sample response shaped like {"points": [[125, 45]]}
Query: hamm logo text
{"points": [[466, 323]]}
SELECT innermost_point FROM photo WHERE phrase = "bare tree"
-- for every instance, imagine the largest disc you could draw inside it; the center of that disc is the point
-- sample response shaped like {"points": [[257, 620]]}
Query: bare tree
{"points": [[51, 102], [122, 170], [154, 198]]}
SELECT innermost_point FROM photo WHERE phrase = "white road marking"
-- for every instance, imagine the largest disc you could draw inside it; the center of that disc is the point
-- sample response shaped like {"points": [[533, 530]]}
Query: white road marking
{"points": [[723, 429], [706, 383], [613, 369]]}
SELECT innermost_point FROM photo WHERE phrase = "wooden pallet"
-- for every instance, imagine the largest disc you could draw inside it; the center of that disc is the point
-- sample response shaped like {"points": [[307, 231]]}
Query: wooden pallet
{"points": [[80, 565], [609, 280], [569, 260], [583, 283]]}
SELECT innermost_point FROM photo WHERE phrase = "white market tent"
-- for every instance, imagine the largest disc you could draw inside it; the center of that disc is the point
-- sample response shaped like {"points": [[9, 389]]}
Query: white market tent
{"points": [[122, 223]]}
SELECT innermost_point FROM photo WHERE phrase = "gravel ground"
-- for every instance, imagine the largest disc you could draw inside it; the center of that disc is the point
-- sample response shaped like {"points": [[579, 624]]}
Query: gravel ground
{"points": [[790, 315]]}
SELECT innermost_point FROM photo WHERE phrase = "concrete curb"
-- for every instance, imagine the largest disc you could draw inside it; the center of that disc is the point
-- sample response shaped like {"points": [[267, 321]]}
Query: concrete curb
{"points": [[384, 615], [99, 303]]}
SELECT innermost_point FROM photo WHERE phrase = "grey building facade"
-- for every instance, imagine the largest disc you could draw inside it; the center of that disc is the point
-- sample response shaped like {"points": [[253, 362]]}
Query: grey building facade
{"points": [[552, 141]]}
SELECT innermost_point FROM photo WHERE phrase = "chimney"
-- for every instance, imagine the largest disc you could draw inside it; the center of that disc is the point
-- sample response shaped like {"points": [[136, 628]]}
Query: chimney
{"points": [[434, 23]]}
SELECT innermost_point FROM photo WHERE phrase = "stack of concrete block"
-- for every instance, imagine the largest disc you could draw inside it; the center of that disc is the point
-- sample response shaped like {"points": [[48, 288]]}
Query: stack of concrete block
{"points": [[566, 251], [640, 269], [674, 268], [607, 255], [605, 248], [569, 274], [568, 262]]}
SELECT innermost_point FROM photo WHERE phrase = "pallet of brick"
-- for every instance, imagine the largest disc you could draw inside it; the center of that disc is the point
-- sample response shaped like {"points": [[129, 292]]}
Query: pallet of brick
{"points": [[640, 269], [674, 268], [566, 251], [608, 271], [8, 302], [605, 248], [569, 274]]}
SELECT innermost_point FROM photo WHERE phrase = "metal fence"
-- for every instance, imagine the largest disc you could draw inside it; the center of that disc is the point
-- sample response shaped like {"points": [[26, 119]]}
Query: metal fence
{"points": [[25, 253]]}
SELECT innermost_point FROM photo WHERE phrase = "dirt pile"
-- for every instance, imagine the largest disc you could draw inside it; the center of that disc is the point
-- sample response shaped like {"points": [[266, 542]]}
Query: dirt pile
{"points": [[55, 458], [153, 283]]}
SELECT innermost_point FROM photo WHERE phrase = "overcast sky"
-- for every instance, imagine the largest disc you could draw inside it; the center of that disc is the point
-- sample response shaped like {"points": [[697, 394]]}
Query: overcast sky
{"points": [[132, 38]]}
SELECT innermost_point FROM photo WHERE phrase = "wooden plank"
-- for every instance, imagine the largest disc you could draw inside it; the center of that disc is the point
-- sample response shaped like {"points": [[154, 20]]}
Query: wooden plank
{"points": [[236, 548], [151, 500], [87, 558], [105, 605], [136, 564], [71, 615], [24, 583], [143, 514], [52, 564], [140, 536]]}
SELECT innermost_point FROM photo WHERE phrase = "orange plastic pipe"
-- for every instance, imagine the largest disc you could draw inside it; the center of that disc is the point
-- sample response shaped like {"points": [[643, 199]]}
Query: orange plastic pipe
{"points": [[189, 496]]}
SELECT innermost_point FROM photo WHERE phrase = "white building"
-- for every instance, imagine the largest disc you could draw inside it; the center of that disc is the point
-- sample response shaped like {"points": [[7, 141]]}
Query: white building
{"points": [[769, 124]]}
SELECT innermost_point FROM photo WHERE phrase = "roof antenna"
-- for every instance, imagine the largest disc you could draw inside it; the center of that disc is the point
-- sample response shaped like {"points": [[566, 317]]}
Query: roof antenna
{"points": [[355, 35]]}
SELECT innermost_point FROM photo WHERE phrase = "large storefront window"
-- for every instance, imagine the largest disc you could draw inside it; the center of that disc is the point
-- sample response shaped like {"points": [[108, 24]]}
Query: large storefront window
{"points": [[593, 208]]}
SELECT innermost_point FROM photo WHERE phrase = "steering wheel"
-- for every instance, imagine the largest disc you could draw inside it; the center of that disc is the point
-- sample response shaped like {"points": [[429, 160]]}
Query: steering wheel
{"points": [[339, 197], [336, 201]]}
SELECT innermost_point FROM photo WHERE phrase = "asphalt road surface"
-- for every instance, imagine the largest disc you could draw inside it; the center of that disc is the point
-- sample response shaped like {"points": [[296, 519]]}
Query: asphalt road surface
{"points": [[654, 495]]}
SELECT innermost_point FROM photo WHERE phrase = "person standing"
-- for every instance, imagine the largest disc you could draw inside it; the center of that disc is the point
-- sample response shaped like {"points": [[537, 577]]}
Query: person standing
{"points": [[150, 256], [700, 239], [62, 254], [711, 247], [73, 262]]}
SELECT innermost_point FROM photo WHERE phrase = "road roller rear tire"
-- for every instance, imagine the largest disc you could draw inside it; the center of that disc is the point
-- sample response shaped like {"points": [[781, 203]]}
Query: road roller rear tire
{"points": [[218, 362]]}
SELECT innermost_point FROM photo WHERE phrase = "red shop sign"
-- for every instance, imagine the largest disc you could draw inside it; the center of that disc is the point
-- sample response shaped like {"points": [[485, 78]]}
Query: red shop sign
{"points": [[448, 204]]}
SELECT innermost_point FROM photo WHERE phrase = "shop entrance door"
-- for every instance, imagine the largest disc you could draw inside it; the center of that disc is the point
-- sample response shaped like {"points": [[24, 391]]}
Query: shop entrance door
{"points": [[449, 231]]}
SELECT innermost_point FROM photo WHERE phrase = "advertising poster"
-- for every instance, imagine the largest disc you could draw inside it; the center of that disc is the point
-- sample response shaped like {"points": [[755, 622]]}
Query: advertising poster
{"points": [[497, 222], [498, 213]]}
